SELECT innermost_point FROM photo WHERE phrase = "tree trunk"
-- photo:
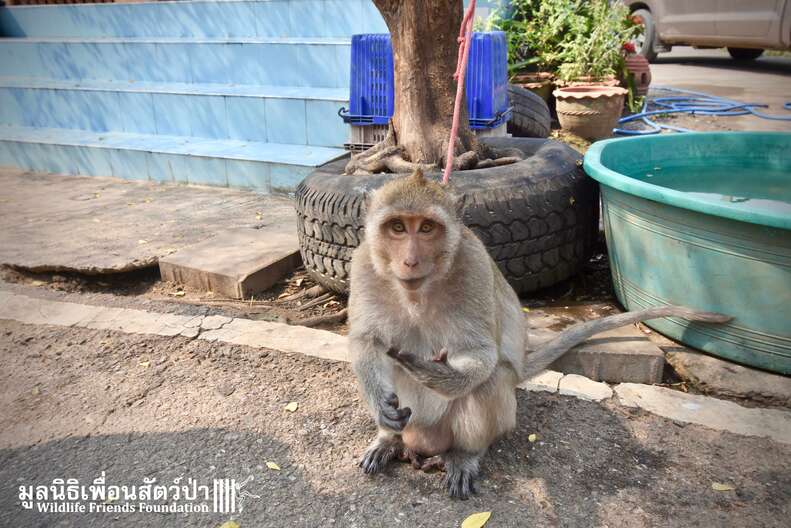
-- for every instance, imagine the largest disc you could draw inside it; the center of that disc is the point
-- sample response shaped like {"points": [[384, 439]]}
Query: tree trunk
{"points": [[425, 51]]}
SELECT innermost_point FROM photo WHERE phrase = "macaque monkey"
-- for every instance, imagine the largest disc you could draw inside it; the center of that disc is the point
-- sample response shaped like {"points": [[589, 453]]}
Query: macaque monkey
{"points": [[438, 337]]}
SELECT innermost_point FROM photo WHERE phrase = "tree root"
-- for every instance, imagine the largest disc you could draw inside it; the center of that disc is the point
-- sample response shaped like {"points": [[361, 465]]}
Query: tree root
{"points": [[468, 160], [388, 156], [318, 300], [338, 317]]}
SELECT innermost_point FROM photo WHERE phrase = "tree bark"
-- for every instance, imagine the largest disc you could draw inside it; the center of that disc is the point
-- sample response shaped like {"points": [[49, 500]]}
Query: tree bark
{"points": [[425, 51]]}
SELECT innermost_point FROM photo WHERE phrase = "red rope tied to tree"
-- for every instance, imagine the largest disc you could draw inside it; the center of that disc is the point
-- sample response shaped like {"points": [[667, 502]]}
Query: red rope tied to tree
{"points": [[465, 36]]}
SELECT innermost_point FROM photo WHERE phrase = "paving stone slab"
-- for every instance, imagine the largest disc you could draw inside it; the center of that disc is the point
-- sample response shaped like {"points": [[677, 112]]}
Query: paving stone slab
{"points": [[105, 225], [584, 388], [710, 412], [720, 377], [236, 263], [262, 334], [621, 355], [546, 381]]}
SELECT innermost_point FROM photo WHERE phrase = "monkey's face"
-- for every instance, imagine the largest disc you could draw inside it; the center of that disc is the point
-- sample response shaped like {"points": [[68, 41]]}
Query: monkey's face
{"points": [[412, 246]]}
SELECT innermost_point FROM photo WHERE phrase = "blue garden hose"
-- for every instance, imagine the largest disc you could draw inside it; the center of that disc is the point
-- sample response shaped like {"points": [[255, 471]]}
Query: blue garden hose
{"points": [[690, 102]]}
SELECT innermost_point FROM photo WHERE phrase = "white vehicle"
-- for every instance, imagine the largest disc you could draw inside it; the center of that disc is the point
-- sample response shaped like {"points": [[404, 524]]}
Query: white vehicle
{"points": [[745, 27]]}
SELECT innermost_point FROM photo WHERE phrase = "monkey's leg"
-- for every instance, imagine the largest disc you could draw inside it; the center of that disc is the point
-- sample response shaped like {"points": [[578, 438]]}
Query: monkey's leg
{"points": [[477, 420], [385, 448], [461, 472]]}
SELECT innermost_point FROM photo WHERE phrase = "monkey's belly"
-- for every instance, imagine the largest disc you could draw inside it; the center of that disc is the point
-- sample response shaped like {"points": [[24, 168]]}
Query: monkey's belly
{"points": [[428, 440]]}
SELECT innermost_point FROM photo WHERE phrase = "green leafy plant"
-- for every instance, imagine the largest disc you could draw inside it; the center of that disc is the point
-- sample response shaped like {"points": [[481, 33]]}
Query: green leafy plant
{"points": [[596, 50], [574, 38]]}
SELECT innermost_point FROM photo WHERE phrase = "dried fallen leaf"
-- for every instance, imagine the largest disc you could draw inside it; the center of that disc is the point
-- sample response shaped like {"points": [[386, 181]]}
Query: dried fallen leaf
{"points": [[229, 524], [532, 437], [476, 520], [144, 363], [716, 486], [179, 294], [272, 466], [292, 407], [36, 391]]}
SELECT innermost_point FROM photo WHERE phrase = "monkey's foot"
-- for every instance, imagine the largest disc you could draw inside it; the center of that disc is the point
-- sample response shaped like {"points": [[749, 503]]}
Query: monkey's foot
{"points": [[380, 453], [461, 474], [420, 462]]}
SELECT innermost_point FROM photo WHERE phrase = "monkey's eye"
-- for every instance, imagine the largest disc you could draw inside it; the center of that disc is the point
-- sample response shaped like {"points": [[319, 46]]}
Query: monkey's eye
{"points": [[427, 226], [397, 226]]}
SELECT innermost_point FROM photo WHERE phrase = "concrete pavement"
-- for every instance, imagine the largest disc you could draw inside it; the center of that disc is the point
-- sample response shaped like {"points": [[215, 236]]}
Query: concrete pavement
{"points": [[765, 80]]}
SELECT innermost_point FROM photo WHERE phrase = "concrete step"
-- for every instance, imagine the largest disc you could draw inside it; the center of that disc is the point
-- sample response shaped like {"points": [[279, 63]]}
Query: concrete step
{"points": [[275, 114], [235, 263], [197, 19], [304, 61], [263, 166]]}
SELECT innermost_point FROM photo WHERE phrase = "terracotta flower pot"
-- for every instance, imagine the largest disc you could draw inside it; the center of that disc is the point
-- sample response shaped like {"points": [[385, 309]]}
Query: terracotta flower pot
{"points": [[587, 80], [638, 66], [540, 83], [590, 112]]}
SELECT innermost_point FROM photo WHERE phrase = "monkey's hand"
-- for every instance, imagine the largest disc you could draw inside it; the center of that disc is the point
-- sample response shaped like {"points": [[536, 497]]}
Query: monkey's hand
{"points": [[390, 416], [435, 373]]}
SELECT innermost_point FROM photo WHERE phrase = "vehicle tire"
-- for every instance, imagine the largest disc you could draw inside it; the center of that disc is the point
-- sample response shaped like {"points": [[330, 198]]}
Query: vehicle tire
{"points": [[745, 54], [530, 114], [538, 218], [646, 45]]}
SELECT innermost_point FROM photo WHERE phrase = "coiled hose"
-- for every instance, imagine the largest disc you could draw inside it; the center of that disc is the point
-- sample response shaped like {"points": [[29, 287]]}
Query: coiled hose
{"points": [[689, 102]]}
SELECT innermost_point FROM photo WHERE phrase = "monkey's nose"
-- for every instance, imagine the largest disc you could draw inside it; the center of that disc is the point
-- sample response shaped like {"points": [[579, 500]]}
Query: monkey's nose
{"points": [[410, 263]]}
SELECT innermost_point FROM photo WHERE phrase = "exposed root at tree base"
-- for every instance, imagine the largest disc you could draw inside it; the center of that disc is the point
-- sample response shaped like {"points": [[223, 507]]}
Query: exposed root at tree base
{"points": [[388, 156]]}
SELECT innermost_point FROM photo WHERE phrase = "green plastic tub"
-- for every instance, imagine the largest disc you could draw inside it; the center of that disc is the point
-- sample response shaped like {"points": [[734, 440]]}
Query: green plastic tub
{"points": [[704, 220]]}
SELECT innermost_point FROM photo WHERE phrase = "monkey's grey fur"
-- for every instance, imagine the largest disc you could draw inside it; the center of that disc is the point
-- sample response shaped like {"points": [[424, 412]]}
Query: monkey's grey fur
{"points": [[455, 404]]}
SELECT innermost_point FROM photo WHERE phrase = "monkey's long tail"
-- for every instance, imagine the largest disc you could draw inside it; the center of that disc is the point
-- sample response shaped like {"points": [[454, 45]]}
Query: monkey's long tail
{"points": [[548, 352]]}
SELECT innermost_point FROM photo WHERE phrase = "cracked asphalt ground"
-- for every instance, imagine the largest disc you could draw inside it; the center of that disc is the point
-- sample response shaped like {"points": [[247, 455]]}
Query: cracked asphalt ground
{"points": [[76, 402]]}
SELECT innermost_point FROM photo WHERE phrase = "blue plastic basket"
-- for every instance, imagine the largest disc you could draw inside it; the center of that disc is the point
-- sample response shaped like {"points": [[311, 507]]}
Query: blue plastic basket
{"points": [[372, 88], [371, 85], [486, 84]]}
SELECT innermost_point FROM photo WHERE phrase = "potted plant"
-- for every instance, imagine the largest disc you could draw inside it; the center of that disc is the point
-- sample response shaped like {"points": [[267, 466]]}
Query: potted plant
{"points": [[589, 99], [636, 72], [594, 56], [590, 112], [535, 31]]}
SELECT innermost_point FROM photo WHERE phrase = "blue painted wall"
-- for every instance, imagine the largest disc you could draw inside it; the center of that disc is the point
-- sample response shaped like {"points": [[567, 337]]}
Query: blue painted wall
{"points": [[220, 92]]}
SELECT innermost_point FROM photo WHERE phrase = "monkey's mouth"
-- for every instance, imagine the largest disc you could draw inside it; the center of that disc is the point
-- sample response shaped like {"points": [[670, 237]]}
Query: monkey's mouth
{"points": [[412, 284]]}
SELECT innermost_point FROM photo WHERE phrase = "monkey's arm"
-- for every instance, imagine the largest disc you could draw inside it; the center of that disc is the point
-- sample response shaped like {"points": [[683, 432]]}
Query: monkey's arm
{"points": [[454, 375], [374, 374]]}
